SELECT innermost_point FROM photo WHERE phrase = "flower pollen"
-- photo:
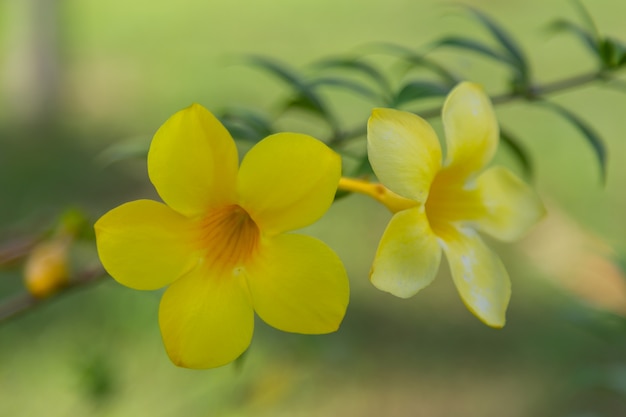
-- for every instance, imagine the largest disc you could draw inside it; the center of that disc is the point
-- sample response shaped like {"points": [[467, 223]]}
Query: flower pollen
{"points": [[229, 237]]}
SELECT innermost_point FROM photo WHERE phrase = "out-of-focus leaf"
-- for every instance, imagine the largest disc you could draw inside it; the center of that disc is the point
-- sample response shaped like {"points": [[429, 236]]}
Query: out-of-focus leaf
{"points": [[414, 59], [562, 25], [597, 144], [278, 70], [363, 168], [305, 98], [505, 39], [474, 46], [246, 124], [134, 148], [350, 85], [612, 53], [518, 151], [359, 66], [587, 19], [311, 104], [415, 90]]}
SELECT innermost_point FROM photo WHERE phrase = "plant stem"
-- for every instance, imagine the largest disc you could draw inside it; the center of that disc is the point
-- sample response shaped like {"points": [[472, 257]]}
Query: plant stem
{"points": [[23, 303], [378, 192], [533, 93]]}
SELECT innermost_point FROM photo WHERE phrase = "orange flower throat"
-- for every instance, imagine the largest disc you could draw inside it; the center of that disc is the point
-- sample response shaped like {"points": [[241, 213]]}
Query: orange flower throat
{"points": [[229, 237]]}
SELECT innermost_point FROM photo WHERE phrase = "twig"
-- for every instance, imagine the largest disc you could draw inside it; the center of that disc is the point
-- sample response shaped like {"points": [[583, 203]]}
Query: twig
{"points": [[533, 93], [23, 303], [16, 250]]}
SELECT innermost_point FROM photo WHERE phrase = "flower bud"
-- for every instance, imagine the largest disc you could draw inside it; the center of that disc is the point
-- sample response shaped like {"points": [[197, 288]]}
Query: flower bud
{"points": [[46, 268]]}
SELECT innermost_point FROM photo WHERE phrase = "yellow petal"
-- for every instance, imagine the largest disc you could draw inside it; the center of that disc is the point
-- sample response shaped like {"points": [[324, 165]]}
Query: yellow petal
{"points": [[404, 152], [144, 244], [288, 181], [479, 276], [206, 319], [408, 255], [299, 285], [471, 128], [511, 206], [193, 162]]}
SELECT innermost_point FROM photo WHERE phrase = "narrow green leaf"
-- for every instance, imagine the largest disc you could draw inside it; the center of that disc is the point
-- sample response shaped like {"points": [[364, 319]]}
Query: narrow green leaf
{"points": [[474, 46], [562, 25], [364, 168], [505, 39], [246, 124], [518, 151], [415, 59], [305, 97], [415, 90], [359, 66], [134, 148], [613, 53], [277, 69], [347, 84], [242, 131], [592, 137], [587, 20]]}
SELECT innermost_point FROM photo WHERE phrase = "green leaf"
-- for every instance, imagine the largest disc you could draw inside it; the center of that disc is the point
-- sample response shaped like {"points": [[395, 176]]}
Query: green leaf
{"points": [[364, 168], [414, 59], [592, 137], [504, 39], [474, 46], [246, 124], [277, 69], [518, 151], [415, 90], [562, 25], [359, 66], [133, 148], [613, 53], [587, 20], [350, 85], [305, 96]]}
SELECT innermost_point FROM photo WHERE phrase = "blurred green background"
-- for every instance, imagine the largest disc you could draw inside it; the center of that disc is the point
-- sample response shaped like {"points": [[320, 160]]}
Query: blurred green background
{"points": [[78, 76]]}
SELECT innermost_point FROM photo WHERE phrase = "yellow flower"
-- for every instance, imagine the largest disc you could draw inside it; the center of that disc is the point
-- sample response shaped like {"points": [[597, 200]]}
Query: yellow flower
{"points": [[440, 205], [219, 240]]}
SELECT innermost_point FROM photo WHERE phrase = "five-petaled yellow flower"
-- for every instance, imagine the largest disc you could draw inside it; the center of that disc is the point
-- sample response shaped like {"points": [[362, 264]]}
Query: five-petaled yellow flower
{"points": [[219, 240], [442, 205]]}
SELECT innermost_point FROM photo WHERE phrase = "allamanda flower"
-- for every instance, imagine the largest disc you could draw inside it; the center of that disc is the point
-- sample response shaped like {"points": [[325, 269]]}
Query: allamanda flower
{"points": [[219, 240], [440, 206]]}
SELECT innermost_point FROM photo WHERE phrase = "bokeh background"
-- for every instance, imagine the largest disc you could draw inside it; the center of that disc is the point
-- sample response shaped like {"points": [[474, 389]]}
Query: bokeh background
{"points": [[79, 76]]}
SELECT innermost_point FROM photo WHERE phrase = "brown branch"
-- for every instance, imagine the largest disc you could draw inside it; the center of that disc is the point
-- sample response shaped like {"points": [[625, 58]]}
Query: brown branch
{"points": [[16, 250], [532, 94], [23, 303]]}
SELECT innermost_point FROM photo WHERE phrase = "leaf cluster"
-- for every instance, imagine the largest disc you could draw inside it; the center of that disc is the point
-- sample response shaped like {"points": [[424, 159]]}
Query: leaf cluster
{"points": [[421, 78]]}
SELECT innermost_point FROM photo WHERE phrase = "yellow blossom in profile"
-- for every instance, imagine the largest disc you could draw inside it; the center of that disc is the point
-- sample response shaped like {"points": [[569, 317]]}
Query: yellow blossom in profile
{"points": [[220, 239], [441, 205]]}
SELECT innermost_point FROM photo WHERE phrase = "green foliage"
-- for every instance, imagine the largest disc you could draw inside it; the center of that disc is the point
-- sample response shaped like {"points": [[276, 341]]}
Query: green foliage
{"points": [[610, 53], [594, 139], [373, 80], [518, 150], [247, 124], [305, 96], [365, 77], [507, 51]]}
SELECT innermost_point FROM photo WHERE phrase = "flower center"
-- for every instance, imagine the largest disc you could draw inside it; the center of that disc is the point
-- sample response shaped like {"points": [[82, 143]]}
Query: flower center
{"points": [[229, 237], [450, 202]]}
